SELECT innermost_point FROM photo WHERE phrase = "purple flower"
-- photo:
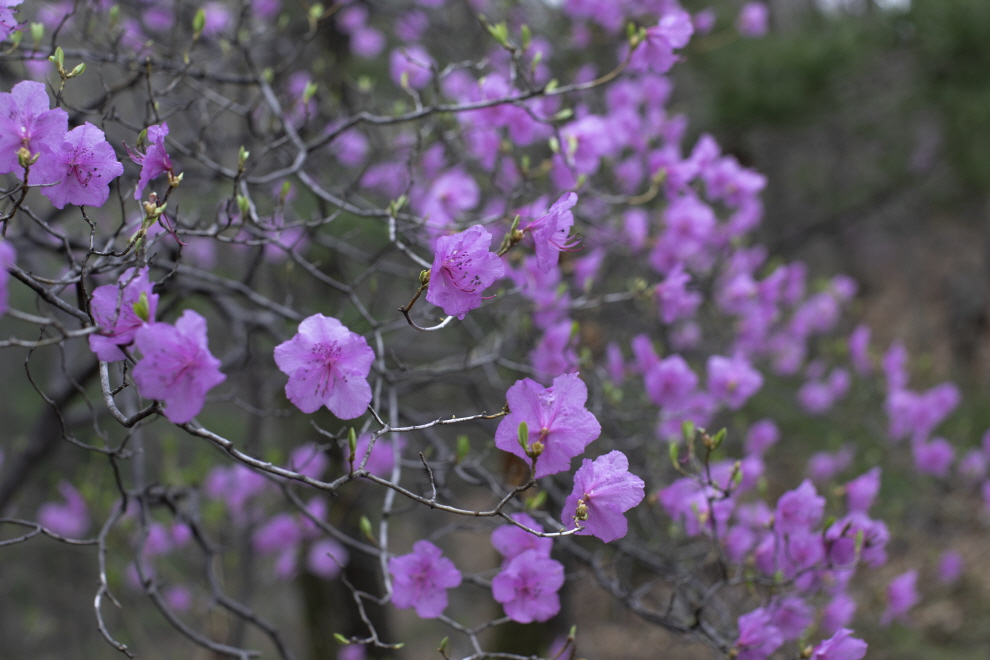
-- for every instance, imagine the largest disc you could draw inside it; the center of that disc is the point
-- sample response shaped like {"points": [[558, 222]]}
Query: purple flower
{"points": [[421, 579], [674, 298], [462, 269], [838, 613], [178, 597], [280, 533], [414, 63], [8, 23], [114, 307], [859, 350], [670, 381], [555, 417], [554, 354], [840, 646], [309, 459], [511, 541], [449, 196], [155, 160], [901, 597], [861, 491], [235, 485], [382, 458], [799, 510], [176, 365], [325, 558], [792, 616], [934, 457], [761, 436], [733, 380], [327, 364], [823, 466], [673, 31], [527, 587], [753, 19], [950, 566], [70, 519], [758, 637], [603, 491], [84, 165], [8, 256], [550, 232], [895, 367], [26, 121]]}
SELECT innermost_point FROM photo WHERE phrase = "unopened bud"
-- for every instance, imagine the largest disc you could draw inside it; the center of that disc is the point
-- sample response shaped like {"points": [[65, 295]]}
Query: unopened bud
{"points": [[524, 436], [535, 449], [78, 70], [24, 158], [463, 447], [365, 526], [309, 91], [244, 206], [242, 156], [37, 32], [58, 59], [199, 22], [581, 513], [141, 308], [173, 180], [424, 277]]}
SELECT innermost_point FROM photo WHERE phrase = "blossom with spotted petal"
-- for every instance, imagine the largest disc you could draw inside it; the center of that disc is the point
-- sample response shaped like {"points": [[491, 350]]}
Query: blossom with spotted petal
{"points": [[84, 165], [327, 364], [462, 269]]}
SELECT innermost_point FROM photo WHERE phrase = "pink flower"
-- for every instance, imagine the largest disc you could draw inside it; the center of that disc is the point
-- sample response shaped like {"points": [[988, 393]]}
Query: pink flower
{"points": [[603, 491], [155, 160], [527, 587], [70, 519], [8, 256], [26, 121], [555, 417], [462, 269], [325, 558], [382, 458], [656, 53], [758, 637], [511, 541], [327, 364], [176, 365], [550, 232], [733, 380], [840, 646], [901, 597], [83, 165], [114, 307], [753, 19], [421, 579]]}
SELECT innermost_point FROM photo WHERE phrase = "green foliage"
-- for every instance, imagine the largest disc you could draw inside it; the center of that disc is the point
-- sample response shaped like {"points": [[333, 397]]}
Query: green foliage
{"points": [[953, 45], [782, 78]]}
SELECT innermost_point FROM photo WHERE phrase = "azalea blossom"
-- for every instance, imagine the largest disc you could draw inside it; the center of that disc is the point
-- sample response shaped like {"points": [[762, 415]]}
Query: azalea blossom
{"points": [[462, 269], [527, 587], [115, 308], [327, 364], [604, 490], [550, 232], [559, 426], [176, 365], [70, 519], [155, 159], [83, 166], [421, 579]]}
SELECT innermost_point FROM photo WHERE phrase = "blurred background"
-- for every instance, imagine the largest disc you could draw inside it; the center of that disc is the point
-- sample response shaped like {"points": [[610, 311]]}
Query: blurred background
{"points": [[871, 121]]}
